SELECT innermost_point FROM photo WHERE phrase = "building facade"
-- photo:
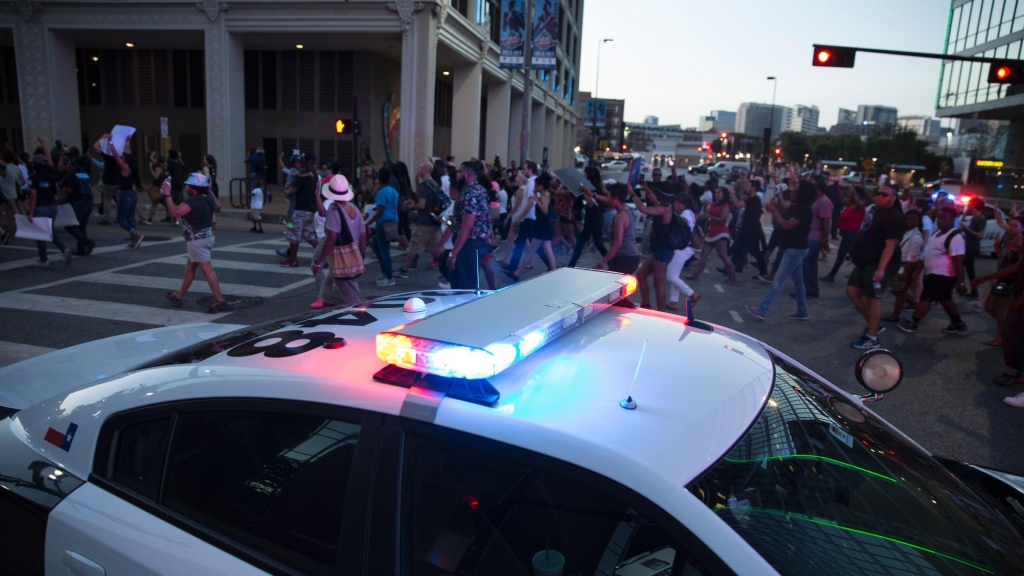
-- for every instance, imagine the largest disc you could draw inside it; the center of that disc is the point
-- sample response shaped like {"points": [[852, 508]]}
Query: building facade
{"points": [[610, 137], [422, 77], [664, 143], [990, 29], [925, 126], [753, 117], [867, 113], [725, 121], [800, 118], [847, 116]]}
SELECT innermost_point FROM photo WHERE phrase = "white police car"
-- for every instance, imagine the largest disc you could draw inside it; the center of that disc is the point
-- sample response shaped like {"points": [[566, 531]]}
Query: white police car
{"points": [[544, 429]]}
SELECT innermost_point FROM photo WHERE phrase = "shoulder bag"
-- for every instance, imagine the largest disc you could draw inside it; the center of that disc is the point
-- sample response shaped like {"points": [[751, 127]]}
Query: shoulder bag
{"points": [[346, 261]]}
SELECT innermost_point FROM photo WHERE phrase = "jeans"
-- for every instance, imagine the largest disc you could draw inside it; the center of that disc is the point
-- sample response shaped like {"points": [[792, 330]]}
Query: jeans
{"points": [[126, 201], [382, 248], [749, 241], [969, 257], [47, 212], [811, 267], [82, 208], [466, 274], [845, 243], [789, 266], [587, 233], [524, 235], [107, 194]]}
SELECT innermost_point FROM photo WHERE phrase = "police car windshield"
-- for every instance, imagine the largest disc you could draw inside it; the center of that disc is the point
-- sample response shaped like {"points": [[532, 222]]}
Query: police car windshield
{"points": [[818, 486]]}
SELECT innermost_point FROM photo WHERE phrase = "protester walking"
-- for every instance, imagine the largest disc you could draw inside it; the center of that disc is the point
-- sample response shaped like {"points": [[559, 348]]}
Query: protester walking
{"points": [[42, 203], [210, 171], [717, 238], [428, 206], [127, 198], [10, 187], [471, 225], [663, 249], [543, 231], [685, 206], [593, 216], [850, 220], [158, 172], [623, 254], [817, 239], [973, 230], [386, 230], [76, 190], [997, 300], [344, 244], [527, 218], [751, 232], [794, 227], [944, 271], [876, 258], [911, 264], [196, 213], [256, 205], [110, 180], [177, 174], [305, 187]]}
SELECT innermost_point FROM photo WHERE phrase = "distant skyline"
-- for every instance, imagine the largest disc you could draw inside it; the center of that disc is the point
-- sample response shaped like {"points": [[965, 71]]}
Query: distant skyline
{"points": [[680, 59]]}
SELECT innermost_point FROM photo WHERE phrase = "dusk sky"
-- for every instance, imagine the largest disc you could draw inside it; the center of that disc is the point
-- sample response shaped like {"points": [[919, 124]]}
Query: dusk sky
{"points": [[680, 59]]}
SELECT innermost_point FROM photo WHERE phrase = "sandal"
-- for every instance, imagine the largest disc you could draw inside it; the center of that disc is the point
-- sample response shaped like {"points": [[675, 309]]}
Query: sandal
{"points": [[694, 298], [672, 306], [173, 297], [218, 307]]}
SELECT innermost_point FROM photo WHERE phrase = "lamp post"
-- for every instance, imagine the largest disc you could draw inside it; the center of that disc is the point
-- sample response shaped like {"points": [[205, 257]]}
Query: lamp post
{"points": [[597, 83], [949, 136], [771, 124]]}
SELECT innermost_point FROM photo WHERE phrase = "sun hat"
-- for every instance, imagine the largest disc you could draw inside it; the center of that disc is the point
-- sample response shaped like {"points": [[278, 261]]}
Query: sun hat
{"points": [[338, 189], [197, 179]]}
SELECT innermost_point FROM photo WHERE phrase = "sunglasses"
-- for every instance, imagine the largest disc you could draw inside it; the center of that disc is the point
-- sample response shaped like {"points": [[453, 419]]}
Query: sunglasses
{"points": [[882, 194]]}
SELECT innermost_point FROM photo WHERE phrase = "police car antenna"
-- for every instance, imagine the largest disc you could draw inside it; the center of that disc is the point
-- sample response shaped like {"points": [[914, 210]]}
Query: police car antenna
{"points": [[628, 402]]}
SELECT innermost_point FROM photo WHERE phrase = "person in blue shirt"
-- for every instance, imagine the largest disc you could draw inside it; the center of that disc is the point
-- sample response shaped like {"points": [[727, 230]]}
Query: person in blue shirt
{"points": [[254, 161], [386, 218]]}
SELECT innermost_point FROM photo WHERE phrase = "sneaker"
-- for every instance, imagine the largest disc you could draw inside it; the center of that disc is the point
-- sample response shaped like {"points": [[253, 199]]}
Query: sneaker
{"points": [[290, 264], [168, 219], [88, 249], [755, 312], [955, 328], [400, 273], [137, 243], [795, 316], [1015, 401], [881, 330], [386, 282], [67, 257], [283, 253], [146, 222], [866, 343], [42, 264], [975, 305], [908, 326], [289, 225], [316, 305], [764, 278], [444, 285]]}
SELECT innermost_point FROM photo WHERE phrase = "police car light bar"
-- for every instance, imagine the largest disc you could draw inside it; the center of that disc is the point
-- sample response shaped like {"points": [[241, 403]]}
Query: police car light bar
{"points": [[479, 339]]}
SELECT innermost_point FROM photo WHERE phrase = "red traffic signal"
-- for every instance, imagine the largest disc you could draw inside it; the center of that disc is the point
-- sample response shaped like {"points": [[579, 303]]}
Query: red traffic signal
{"points": [[1006, 72], [778, 151], [833, 57]]}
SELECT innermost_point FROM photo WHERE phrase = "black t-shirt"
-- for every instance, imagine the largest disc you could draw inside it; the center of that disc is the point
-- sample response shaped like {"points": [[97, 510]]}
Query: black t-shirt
{"points": [[176, 171], [73, 182], [45, 185], [111, 171], [200, 214], [796, 237], [132, 179], [886, 224], [752, 212], [305, 193], [426, 191]]}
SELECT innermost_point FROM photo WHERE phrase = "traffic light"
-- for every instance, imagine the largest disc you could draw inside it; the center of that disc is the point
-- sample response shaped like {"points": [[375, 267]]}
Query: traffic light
{"points": [[1006, 72], [833, 57], [724, 135], [342, 126]]}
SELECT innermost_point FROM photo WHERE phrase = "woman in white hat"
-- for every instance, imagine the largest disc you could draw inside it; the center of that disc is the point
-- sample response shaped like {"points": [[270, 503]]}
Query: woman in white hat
{"points": [[345, 244], [196, 214]]}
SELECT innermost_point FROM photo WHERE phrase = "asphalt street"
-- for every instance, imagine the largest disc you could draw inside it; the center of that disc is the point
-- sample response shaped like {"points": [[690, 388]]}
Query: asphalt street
{"points": [[946, 403]]}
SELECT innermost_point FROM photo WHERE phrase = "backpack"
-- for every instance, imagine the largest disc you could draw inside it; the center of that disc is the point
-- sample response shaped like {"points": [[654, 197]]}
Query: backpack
{"points": [[85, 182], [679, 234], [440, 201], [949, 239]]}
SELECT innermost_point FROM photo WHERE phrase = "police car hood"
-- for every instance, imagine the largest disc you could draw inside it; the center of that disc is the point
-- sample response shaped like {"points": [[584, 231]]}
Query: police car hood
{"points": [[36, 379]]}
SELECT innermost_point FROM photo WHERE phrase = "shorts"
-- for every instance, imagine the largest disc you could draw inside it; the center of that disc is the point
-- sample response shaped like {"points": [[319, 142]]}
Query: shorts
{"points": [[663, 256], [938, 288], [303, 229], [199, 250], [863, 277], [624, 264], [424, 239], [256, 215], [155, 195]]}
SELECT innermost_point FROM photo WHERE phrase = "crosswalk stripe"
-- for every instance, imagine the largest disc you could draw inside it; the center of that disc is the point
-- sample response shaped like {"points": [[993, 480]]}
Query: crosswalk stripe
{"points": [[104, 250], [257, 251], [250, 266], [198, 286], [104, 310], [13, 352]]}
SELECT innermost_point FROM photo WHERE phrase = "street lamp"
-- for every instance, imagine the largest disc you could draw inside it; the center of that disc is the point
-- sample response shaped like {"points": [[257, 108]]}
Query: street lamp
{"points": [[597, 83], [771, 124], [949, 137]]}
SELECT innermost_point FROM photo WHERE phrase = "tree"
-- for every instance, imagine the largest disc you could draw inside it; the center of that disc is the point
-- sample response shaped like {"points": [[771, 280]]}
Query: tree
{"points": [[795, 146]]}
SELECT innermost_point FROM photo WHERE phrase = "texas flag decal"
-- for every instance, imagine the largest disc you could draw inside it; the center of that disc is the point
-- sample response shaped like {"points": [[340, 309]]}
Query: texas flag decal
{"points": [[62, 441]]}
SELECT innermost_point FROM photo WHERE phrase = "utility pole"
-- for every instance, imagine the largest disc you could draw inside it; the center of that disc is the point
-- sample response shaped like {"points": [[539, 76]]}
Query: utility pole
{"points": [[771, 124], [524, 137]]}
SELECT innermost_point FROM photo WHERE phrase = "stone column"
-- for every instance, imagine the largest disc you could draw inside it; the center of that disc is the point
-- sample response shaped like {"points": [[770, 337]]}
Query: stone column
{"points": [[570, 140], [537, 124], [46, 72], [515, 125], [499, 95], [558, 152], [467, 91], [419, 66], [549, 137], [225, 102]]}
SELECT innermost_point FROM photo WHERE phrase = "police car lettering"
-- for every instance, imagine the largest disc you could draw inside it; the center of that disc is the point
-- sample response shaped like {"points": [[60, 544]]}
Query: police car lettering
{"points": [[344, 318], [282, 348]]}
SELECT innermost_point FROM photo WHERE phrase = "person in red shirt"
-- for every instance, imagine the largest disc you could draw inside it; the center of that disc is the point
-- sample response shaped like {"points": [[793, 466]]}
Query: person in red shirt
{"points": [[850, 220]]}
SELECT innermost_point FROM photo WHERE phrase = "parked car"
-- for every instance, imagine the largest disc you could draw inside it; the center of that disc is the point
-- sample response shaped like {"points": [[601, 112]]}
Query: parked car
{"points": [[723, 168], [615, 165]]}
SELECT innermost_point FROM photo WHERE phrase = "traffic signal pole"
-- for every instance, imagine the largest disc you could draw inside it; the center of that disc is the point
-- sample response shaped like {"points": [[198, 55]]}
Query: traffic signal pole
{"points": [[915, 54], [524, 137]]}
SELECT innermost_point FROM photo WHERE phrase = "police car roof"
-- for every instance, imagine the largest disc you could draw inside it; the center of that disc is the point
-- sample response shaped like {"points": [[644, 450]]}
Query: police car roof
{"points": [[697, 391]]}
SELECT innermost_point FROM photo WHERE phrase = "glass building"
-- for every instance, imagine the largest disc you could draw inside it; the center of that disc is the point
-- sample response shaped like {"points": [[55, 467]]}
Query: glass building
{"points": [[990, 29]]}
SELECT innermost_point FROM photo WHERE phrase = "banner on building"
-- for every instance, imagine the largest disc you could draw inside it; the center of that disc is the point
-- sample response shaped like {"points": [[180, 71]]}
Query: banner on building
{"points": [[513, 32], [600, 115], [545, 35]]}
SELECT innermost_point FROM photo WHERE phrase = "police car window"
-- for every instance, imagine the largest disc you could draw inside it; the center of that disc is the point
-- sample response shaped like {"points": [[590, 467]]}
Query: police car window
{"points": [[275, 482], [141, 451], [818, 486], [468, 513]]}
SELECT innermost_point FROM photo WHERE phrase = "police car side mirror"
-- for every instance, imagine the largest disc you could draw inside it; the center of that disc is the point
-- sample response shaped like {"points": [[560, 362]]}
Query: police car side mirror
{"points": [[879, 371]]}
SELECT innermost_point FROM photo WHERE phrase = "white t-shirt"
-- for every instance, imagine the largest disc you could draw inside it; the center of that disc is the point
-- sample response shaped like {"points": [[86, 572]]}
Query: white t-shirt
{"points": [[528, 198], [936, 260], [319, 221], [448, 213], [502, 201], [446, 182], [927, 226], [256, 202], [912, 245]]}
